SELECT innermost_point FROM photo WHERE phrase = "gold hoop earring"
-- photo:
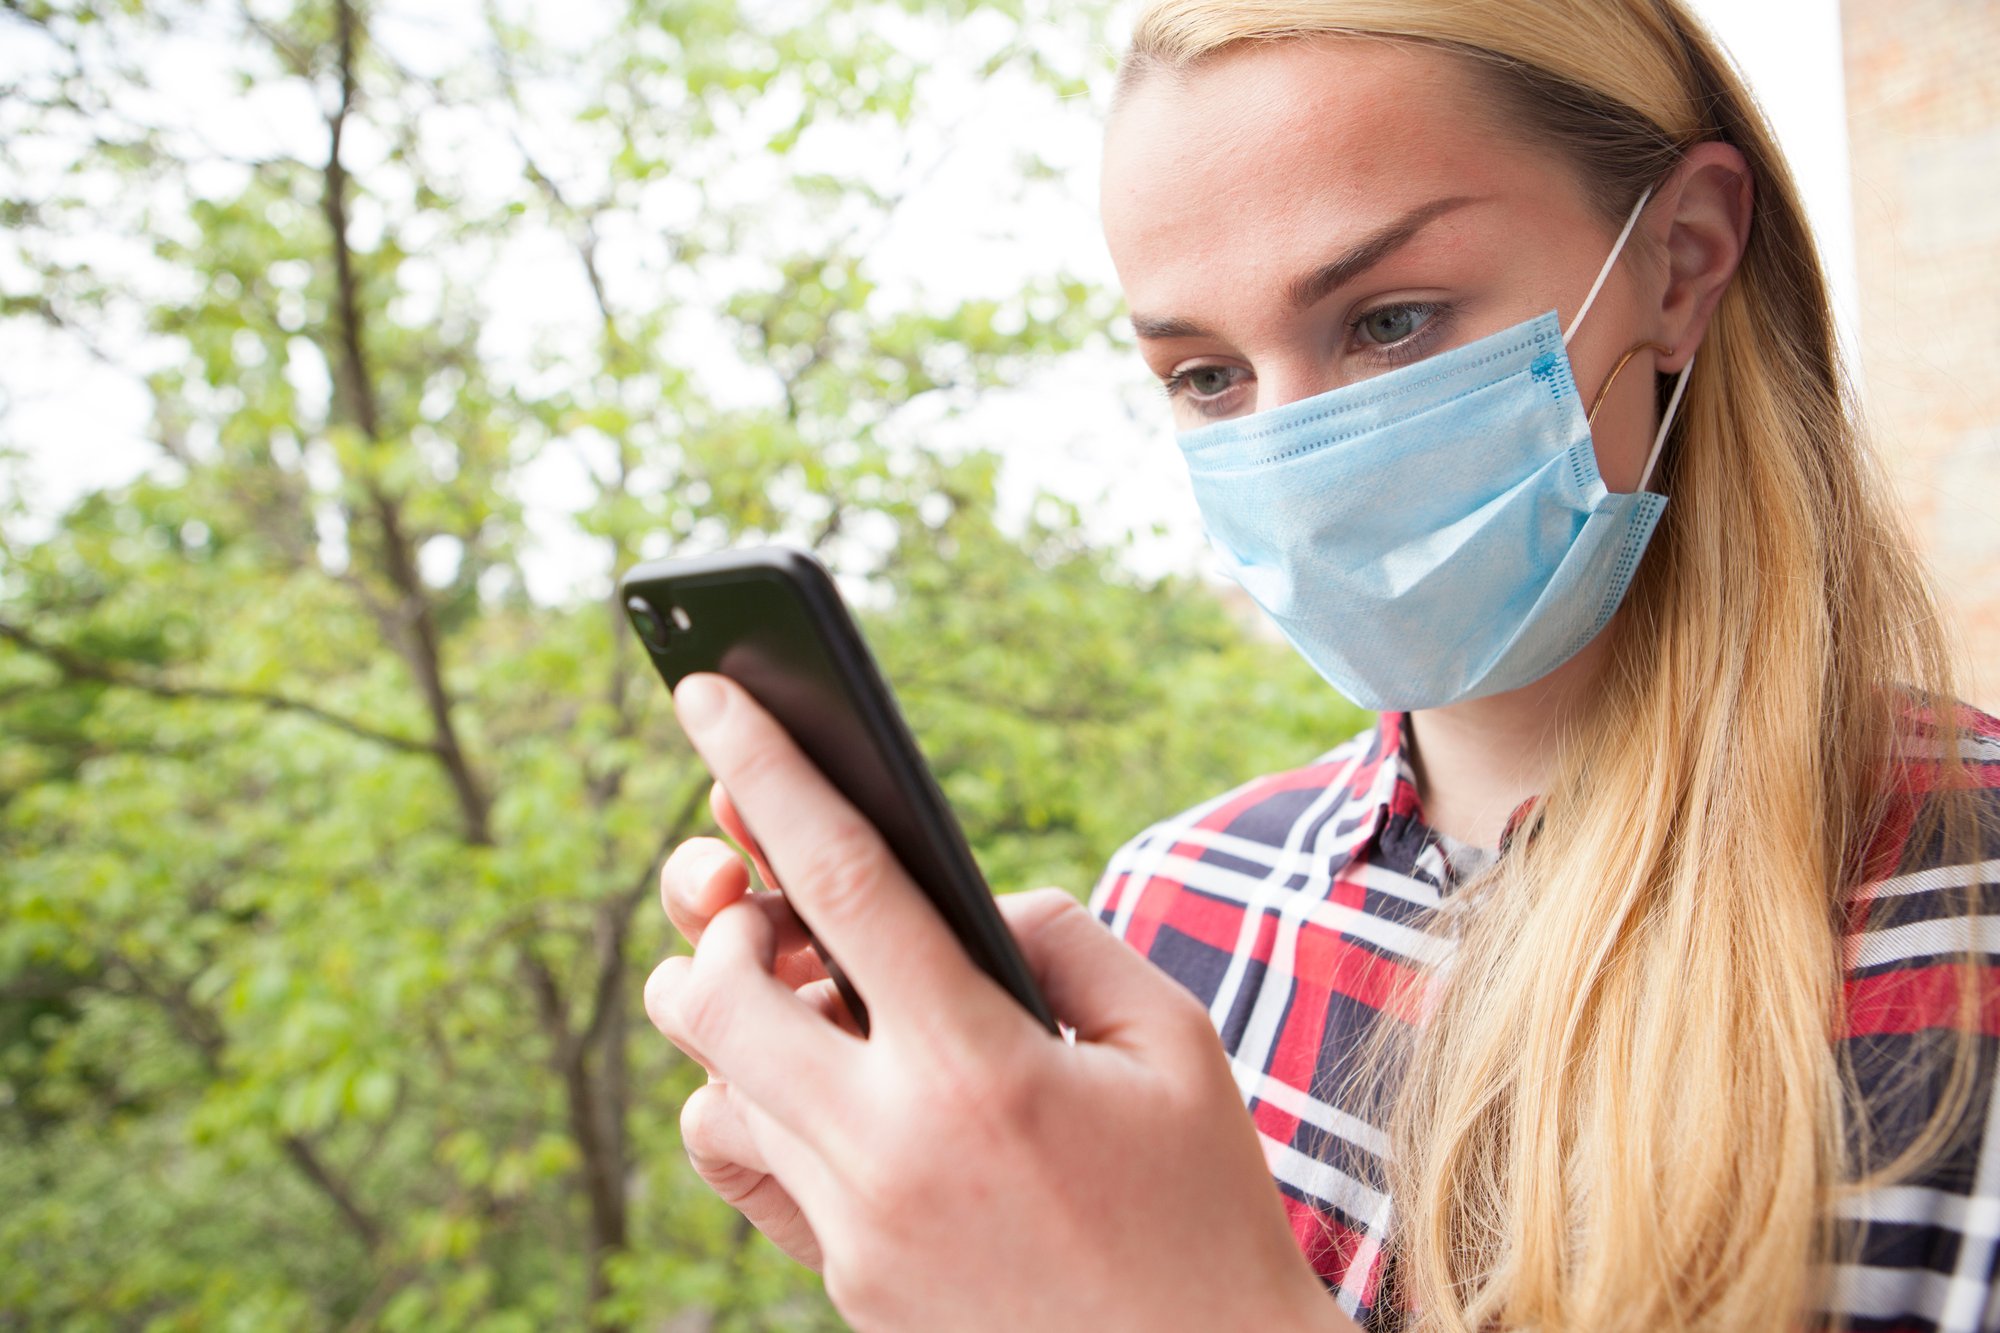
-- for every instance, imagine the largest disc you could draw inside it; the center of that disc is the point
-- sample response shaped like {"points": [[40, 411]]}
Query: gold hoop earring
{"points": [[1590, 418]]}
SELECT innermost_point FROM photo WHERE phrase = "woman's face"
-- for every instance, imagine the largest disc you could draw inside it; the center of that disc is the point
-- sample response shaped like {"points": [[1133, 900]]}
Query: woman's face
{"points": [[1294, 216]]}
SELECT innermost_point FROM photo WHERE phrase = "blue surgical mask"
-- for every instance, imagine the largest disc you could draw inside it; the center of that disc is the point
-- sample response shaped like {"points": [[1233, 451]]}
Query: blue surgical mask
{"points": [[1437, 533]]}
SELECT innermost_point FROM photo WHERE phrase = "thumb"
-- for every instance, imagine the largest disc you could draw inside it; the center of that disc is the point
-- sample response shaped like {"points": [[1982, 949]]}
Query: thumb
{"points": [[1093, 980]]}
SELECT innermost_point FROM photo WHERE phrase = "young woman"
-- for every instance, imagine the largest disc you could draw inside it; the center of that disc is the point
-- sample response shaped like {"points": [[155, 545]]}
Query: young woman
{"points": [[1634, 973]]}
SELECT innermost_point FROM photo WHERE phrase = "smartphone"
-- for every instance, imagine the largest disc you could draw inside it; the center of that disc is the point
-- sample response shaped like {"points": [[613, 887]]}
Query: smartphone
{"points": [[771, 619]]}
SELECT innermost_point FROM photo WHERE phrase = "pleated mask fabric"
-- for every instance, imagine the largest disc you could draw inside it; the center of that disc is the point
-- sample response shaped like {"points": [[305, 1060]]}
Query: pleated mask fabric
{"points": [[1437, 533]]}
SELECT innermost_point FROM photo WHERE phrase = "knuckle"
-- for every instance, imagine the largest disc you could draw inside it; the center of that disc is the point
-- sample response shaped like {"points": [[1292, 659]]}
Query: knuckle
{"points": [[1063, 912], [856, 1285], [678, 878], [881, 1207], [840, 1280], [1013, 1098], [848, 867], [734, 1184], [662, 988], [701, 1009], [1032, 912], [755, 763], [701, 1128], [745, 923], [1050, 899], [1189, 1017], [730, 1180]]}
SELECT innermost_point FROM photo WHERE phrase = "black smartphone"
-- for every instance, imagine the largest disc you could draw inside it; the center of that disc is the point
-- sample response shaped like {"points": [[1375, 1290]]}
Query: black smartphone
{"points": [[771, 619]]}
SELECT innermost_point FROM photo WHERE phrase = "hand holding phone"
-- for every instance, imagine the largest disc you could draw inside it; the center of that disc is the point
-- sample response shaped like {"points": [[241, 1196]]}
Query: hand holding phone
{"points": [[771, 620], [958, 1162]]}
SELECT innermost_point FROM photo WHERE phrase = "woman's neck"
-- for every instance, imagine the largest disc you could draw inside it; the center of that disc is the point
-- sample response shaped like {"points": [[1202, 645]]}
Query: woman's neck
{"points": [[1476, 762]]}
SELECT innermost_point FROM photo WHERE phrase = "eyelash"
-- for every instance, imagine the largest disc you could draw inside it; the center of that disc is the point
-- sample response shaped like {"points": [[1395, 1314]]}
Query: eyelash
{"points": [[1175, 383], [1438, 318]]}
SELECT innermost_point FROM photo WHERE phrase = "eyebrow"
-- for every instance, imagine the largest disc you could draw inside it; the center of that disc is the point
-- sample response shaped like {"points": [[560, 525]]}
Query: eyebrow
{"points": [[1311, 288]]}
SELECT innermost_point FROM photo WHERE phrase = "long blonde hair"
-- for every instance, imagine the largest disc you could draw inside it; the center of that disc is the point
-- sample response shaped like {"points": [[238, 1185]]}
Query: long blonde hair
{"points": [[1628, 1108]]}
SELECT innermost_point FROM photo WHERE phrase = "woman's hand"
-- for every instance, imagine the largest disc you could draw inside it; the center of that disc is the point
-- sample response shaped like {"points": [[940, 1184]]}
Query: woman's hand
{"points": [[703, 876], [961, 1167]]}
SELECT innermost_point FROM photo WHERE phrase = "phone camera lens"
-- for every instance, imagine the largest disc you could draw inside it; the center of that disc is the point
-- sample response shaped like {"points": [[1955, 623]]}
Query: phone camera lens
{"points": [[647, 621]]}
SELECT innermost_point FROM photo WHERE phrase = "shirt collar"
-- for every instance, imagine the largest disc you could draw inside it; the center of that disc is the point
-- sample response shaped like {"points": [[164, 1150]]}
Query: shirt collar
{"points": [[1391, 789]]}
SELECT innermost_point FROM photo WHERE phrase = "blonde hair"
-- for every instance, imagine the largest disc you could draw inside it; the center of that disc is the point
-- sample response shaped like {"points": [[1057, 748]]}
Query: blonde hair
{"points": [[1628, 1108]]}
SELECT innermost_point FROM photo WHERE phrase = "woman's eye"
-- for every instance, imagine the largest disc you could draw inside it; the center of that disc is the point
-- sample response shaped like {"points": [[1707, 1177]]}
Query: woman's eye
{"points": [[1392, 323], [1209, 381], [1204, 384]]}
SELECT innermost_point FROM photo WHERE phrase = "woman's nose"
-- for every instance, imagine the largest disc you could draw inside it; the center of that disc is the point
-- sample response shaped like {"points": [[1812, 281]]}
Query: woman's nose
{"points": [[1290, 379]]}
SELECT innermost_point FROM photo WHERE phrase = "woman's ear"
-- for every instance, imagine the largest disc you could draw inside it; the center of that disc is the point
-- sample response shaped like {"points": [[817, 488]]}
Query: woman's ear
{"points": [[1705, 214]]}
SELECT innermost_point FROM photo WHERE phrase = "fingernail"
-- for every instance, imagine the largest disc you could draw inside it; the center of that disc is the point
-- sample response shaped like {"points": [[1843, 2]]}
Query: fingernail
{"points": [[698, 701]]}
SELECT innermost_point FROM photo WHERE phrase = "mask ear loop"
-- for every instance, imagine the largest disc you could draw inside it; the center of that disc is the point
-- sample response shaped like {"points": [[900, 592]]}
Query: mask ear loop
{"points": [[1680, 383], [1666, 421], [1617, 248]]}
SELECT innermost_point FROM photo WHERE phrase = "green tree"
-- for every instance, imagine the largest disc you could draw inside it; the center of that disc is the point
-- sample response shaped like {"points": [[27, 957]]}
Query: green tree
{"points": [[327, 846]]}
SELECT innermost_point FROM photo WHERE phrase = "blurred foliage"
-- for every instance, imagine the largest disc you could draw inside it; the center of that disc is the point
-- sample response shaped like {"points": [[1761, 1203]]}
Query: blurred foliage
{"points": [[327, 851]]}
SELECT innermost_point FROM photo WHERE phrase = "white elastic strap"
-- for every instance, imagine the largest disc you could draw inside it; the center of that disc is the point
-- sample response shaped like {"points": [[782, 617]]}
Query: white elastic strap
{"points": [[1605, 272], [1666, 422]]}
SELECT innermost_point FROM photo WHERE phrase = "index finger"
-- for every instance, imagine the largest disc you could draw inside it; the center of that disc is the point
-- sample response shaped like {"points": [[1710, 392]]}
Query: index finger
{"points": [[703, 876], [841, 878], [725, 814]]}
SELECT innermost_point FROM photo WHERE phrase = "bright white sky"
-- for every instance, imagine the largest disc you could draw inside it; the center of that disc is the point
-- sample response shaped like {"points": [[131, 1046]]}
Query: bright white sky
{"points": [[1092, 429], [1790, 49]]}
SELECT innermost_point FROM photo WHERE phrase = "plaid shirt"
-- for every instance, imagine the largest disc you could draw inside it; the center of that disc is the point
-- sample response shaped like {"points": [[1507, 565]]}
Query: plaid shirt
{"points": [[1295, 905]]}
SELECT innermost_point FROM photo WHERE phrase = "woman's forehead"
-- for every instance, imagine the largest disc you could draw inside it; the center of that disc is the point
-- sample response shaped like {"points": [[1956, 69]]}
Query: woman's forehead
{"points": [[1285, 142]]}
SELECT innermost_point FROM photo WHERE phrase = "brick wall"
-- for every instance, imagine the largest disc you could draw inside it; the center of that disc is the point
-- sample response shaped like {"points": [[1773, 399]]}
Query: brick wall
{"points": [[1923, 106]]}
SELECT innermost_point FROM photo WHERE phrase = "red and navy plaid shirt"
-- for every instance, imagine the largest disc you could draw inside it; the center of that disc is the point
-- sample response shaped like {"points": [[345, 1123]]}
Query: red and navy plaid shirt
{"points": [[1296, 904]]}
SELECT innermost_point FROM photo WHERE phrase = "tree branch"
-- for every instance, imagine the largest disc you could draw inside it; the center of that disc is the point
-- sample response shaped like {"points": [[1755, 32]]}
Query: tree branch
{"points": [[303, 1155], [602, 1165], [195, 1025], [200, 1029], [293, 56], [412, 626], [78, 667], [594, 1091], [611, 951]]}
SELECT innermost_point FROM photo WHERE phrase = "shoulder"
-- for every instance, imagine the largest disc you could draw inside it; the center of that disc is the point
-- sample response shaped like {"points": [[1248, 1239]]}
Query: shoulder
{"points": [[1921, 994], [1931, 898], [1238, 834], [1935, 858]]}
